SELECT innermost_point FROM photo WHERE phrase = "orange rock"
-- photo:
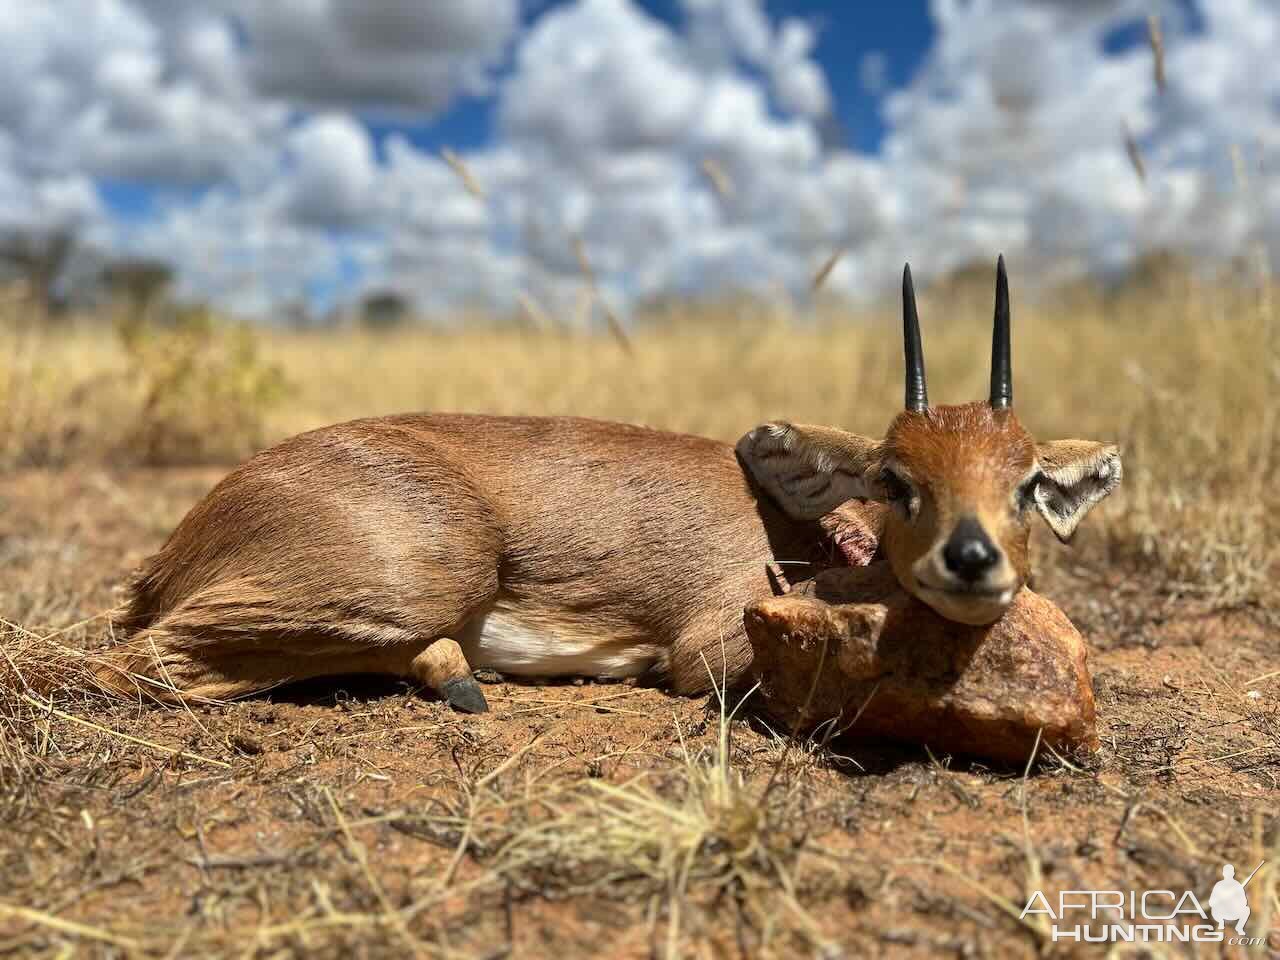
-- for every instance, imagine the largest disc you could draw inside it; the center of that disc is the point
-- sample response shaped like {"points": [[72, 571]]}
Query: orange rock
{"points": [[857, 648]]}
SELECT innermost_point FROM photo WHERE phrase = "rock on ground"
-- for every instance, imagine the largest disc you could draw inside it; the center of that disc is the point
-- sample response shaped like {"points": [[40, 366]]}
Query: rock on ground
{"points": [[856, 651]]}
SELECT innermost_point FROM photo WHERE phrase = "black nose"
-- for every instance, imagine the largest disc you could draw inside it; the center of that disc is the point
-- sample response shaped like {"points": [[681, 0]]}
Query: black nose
{"points": [[969, 554]]}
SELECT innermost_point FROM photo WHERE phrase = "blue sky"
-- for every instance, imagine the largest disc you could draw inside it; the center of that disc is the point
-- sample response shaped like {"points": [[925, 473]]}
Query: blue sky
{"points": [[899, 34], [847, 32], [293, 152]]}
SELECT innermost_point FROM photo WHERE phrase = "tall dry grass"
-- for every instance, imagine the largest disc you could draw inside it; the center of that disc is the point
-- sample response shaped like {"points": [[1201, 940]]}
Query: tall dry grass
{"points": [[1183, 373]]}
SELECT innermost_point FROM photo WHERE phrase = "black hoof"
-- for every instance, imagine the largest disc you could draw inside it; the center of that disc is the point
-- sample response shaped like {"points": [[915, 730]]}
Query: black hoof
{"points": [[465, 695]]}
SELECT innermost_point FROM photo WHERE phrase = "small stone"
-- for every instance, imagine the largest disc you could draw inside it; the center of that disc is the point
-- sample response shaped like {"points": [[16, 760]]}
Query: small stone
{"points": [[245, 743], [906, 673]]}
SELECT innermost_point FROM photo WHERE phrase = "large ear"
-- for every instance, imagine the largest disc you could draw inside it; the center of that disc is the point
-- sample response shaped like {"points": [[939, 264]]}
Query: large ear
{"points": [[1074, 475], [810, 471]]}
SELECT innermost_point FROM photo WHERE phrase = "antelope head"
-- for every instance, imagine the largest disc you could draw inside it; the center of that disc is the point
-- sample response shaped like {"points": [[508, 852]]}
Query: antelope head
{"points": [[961, 481]]}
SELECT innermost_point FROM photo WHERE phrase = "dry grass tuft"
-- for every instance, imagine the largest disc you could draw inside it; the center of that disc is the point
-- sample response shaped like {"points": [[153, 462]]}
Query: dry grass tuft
{"points": [[1155, 37], [692, 843], [459, 166], [185, 387], [39, 665], [35, 671]]}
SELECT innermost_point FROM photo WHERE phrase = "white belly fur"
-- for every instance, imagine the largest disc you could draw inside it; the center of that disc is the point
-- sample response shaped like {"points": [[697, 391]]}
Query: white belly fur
{"points": [[538, 645]]}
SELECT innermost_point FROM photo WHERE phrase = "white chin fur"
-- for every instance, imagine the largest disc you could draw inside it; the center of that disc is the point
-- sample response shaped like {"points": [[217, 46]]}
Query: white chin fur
{"points": [[972, 610]]}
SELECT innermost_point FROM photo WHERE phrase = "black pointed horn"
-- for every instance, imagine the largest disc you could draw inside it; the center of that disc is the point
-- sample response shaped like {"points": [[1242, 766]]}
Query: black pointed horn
{"points": [[1001, 349], [917, 393]]}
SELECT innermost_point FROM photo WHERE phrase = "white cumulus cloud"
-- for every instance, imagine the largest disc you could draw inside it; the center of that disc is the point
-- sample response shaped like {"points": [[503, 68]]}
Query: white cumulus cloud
{"points": [[686, 155], [388, 54]]}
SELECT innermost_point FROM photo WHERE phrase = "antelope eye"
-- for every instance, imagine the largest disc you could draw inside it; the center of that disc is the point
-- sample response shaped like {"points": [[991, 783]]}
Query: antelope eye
{"points": [[896, 489], [1025, 495]]}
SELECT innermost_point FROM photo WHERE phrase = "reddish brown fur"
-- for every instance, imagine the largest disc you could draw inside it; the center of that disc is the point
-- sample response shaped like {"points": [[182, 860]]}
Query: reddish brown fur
{"points": [[964, 482], [965, 459], [561, 546], [354, 547]]}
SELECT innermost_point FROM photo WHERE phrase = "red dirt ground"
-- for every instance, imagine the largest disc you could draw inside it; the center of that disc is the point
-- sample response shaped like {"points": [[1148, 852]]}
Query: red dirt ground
{"points": [[325, 821]]}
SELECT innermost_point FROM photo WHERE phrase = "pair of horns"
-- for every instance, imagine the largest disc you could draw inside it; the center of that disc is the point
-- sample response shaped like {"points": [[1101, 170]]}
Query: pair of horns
{"points": [[1001, 353]]}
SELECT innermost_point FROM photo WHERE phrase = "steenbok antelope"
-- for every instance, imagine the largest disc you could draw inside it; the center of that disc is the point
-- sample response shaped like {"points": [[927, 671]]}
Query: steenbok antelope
{"points": [[425, 546]]}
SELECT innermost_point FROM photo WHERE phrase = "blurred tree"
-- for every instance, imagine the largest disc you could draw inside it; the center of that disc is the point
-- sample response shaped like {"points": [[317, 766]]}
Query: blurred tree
{"points": [[1158, 270], [384, 310], [37, 258], [137, 282], [297, 315]]}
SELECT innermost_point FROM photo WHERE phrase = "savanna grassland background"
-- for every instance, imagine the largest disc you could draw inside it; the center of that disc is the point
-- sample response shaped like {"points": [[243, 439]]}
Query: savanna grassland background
{"points": [[361, 818], [207, 163]]}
